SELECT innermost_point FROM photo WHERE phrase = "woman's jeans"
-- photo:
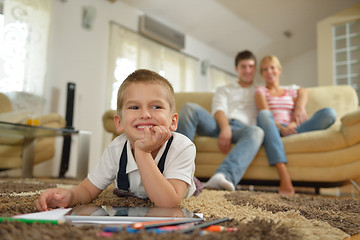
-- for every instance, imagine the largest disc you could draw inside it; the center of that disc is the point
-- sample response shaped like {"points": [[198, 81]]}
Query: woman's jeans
{"points": [[274, 147], [195, 119]]}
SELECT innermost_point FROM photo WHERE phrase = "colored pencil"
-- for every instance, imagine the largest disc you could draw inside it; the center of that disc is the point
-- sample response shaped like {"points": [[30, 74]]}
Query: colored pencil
{"points": [[30, 221], [204, 225], [217, 228], [161, 223]]}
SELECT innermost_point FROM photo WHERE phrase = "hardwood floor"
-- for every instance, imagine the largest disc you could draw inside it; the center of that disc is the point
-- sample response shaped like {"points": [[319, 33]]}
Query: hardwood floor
{"points": [[347, 191]]}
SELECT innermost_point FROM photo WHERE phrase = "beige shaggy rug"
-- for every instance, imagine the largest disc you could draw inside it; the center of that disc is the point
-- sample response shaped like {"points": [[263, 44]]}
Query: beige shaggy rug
{"points": [[256, 215]]}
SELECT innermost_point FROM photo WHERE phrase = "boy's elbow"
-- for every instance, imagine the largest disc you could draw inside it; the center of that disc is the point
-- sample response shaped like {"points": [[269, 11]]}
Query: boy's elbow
{"points": [[167, 204]]}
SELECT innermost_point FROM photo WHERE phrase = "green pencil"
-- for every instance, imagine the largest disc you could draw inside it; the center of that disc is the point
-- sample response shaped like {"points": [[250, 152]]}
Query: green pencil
{"points": [[30, 221]]}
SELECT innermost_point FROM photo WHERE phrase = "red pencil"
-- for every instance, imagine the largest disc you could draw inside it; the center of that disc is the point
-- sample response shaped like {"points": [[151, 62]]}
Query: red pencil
{"points": [[217, 228]]}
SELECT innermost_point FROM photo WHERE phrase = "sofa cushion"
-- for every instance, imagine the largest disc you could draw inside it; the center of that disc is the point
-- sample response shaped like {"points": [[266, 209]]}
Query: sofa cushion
{"points": [[351, 127], [316, 141], [204, 99]]}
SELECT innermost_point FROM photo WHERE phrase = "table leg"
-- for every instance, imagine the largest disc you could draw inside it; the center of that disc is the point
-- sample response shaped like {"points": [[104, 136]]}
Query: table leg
{"points": [[28, 155], [83, 154], [355, 184], [65, 157]]}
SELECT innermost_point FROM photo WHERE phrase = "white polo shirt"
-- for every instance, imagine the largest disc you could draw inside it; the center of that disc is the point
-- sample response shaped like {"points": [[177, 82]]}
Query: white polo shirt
{"points": [[236, 102], [179, 164]]}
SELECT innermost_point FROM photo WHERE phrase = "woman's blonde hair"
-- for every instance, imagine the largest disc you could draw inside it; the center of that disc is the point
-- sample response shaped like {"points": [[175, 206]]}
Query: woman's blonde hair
{"points": [[270, 58]]}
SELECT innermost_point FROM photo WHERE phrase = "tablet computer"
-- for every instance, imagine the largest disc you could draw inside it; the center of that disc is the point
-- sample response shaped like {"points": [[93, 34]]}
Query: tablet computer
{"points": [[126, 215]]}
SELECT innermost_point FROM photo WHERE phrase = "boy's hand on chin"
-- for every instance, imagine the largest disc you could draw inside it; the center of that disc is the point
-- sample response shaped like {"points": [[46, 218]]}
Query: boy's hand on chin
{"points": [[153, 139]]}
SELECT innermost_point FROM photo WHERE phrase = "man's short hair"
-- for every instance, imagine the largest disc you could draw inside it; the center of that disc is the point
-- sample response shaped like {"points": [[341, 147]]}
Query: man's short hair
{"points": [[244, 55]]}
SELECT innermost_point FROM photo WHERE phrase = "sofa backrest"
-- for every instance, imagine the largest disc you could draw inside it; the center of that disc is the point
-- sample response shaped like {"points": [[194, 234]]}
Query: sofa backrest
{"points": [[204, 99], [342, 98]]}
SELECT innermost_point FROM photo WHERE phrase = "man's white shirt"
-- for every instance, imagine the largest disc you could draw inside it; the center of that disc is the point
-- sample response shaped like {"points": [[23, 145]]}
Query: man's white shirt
{"points": [[236, 102]]}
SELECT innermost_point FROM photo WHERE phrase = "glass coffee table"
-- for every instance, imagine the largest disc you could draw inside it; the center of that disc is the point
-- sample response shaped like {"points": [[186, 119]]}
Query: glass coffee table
{"points": [[29, 133]]}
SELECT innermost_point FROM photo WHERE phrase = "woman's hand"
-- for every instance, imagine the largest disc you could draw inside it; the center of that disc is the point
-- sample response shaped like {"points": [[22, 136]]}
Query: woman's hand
{"points": [[289, 129]]}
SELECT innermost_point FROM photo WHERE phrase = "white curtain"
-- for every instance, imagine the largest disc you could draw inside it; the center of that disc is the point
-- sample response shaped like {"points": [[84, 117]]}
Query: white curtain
{"points": [[220, 78], [129, 51], [23, 45]]}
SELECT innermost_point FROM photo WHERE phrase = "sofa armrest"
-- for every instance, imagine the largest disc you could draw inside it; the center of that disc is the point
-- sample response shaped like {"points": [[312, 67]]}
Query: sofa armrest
{"points": [[350, 127], [108, 122]]}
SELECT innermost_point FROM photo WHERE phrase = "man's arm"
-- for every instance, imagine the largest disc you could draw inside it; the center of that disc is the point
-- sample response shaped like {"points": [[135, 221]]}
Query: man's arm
{"points": [[224, 141], [299, 113], [219, 110]]}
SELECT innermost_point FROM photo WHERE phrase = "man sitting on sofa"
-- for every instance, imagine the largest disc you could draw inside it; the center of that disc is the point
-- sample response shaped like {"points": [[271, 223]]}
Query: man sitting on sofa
{"points": [[233, 120]]}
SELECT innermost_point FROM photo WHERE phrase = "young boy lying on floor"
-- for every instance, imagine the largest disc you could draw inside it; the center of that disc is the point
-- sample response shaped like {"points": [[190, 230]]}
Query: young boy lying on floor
{"points": [[148, 160]]}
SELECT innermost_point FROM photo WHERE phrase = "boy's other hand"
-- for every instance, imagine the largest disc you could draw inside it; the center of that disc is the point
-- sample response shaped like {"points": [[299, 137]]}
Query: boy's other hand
{"points": [[153, 139], [53, 198]]}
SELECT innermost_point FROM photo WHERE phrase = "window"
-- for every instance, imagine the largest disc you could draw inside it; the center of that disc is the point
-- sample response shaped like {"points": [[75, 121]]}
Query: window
{"points": [[346, 39], [129, 51], [220, 77], [24, 30]]}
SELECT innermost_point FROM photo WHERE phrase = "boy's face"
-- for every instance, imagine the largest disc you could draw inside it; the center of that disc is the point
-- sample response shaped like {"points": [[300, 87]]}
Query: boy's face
{"points": [[144, 106], [246, 70]]}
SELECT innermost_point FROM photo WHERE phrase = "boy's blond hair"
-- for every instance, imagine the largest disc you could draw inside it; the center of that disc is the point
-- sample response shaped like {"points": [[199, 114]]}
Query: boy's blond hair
{"points": [[147, 77], [270, 58]]}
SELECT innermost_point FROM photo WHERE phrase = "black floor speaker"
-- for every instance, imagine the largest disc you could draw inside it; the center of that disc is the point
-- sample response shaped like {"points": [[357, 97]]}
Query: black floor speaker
{"points": [[70, 99]]}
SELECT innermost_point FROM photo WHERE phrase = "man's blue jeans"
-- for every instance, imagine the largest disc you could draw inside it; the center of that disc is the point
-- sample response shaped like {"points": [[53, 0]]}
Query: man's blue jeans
{"points": [[274, 147], [195, 119]]}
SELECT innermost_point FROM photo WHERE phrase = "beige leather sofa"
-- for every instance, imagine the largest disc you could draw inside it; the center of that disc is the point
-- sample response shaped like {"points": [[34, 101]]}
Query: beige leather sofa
{"points": [[11, 148], [317, 159]]}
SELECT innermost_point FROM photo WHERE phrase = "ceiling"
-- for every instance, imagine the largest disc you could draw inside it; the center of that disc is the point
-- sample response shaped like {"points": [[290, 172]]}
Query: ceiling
{"points": [[286, 28]]}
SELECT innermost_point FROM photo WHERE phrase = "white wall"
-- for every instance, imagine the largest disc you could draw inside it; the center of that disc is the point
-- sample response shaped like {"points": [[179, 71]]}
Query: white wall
{"points": [[301, 70], [80, 56]]}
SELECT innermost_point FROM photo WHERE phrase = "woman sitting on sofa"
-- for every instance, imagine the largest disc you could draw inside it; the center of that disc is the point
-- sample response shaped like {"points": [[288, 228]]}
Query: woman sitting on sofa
{"points": [[282, 113]]}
